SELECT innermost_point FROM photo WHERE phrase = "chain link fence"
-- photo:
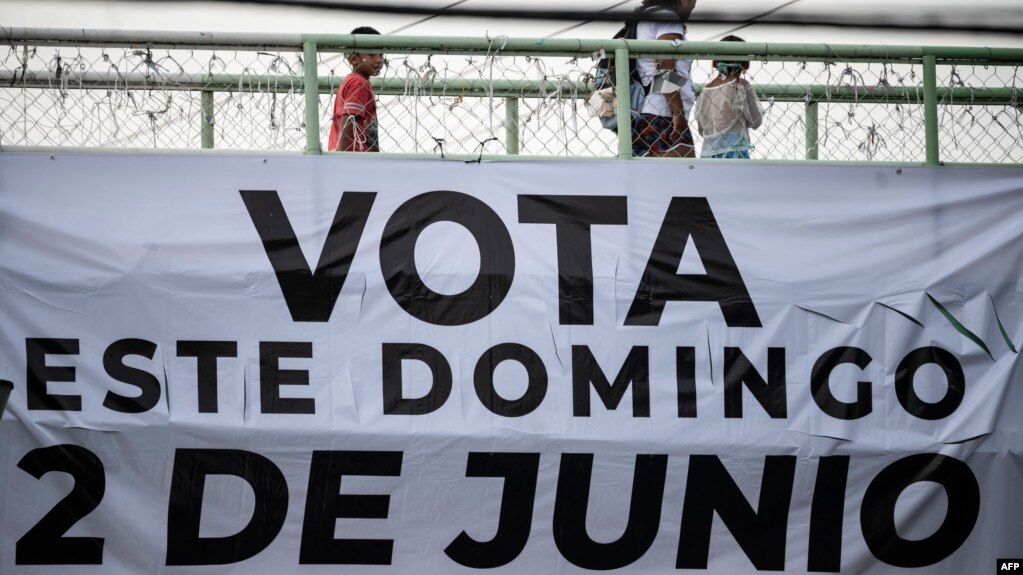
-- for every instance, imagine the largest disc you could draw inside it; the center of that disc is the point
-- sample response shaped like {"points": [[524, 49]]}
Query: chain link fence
{"points": [[481, 103], [123, 97], [439, 101]]}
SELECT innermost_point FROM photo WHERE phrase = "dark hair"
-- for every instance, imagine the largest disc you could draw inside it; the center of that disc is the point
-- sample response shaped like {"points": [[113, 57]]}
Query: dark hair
{"points": [[737, 66], [361, 30], [669, 5]]}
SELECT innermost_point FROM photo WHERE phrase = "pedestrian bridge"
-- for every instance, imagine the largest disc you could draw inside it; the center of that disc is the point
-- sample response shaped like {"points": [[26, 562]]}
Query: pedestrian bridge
{"points": [[492, 98]]}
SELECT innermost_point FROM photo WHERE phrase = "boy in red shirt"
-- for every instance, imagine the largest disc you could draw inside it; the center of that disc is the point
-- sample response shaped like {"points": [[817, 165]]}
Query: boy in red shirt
{"points": [[354, 124]]}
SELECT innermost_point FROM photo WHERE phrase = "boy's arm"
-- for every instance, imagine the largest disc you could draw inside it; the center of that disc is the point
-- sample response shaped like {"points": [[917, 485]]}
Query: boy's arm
{"points": [[669, 63], [678, 114], [346, 139]]}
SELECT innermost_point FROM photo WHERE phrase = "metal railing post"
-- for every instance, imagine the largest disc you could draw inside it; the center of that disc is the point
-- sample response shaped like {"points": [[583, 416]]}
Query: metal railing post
{"points": [[812, 125], [511, 125], [624, 111], [206, 127], [931, 110], [311, 86]]}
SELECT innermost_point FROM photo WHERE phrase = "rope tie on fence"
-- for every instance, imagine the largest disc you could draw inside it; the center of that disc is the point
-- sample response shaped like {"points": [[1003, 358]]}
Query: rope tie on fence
{"points": [[1014, 102], [150, 67], [169, 56], [559, 92], [483, 143], [826, 68], [872, 143], [22, 61], [215, 61], [278, 65], [241, 84], [851, 78], [56, 68], [427, 74], [1014, 91], [489, 61]]}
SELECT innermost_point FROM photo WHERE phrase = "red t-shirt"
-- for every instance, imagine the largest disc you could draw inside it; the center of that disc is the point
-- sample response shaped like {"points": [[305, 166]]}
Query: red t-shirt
{"points": [[355, 98]]}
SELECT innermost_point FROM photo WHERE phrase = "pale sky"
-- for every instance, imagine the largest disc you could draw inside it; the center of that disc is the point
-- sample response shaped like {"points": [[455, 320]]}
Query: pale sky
{"points": [[232, 17]]}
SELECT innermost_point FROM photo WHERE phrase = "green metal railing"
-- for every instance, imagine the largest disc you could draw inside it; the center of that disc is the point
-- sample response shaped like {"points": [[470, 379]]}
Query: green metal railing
{"points": [[312, 86], [927, 56]]}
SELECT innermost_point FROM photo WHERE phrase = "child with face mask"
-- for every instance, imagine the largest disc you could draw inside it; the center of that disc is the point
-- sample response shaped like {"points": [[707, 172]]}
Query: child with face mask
{"points": [[727, 110]]}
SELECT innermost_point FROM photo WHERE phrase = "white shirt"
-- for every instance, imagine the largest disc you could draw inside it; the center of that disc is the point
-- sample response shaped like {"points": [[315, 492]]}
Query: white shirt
{"points": [[725, 113], [657, 104]]}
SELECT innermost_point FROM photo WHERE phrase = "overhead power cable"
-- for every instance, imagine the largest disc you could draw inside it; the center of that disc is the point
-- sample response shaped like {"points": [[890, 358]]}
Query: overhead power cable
{"points": [[1000, 22], [754, 20], [427, 18], [585, 22]]}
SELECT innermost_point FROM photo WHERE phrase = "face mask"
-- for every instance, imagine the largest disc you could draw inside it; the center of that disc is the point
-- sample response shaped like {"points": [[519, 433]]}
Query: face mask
{"points": [[728, 68]]}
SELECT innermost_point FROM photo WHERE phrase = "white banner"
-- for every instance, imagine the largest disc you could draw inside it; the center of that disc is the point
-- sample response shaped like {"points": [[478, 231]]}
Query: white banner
{"points": [[289, 364]]}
